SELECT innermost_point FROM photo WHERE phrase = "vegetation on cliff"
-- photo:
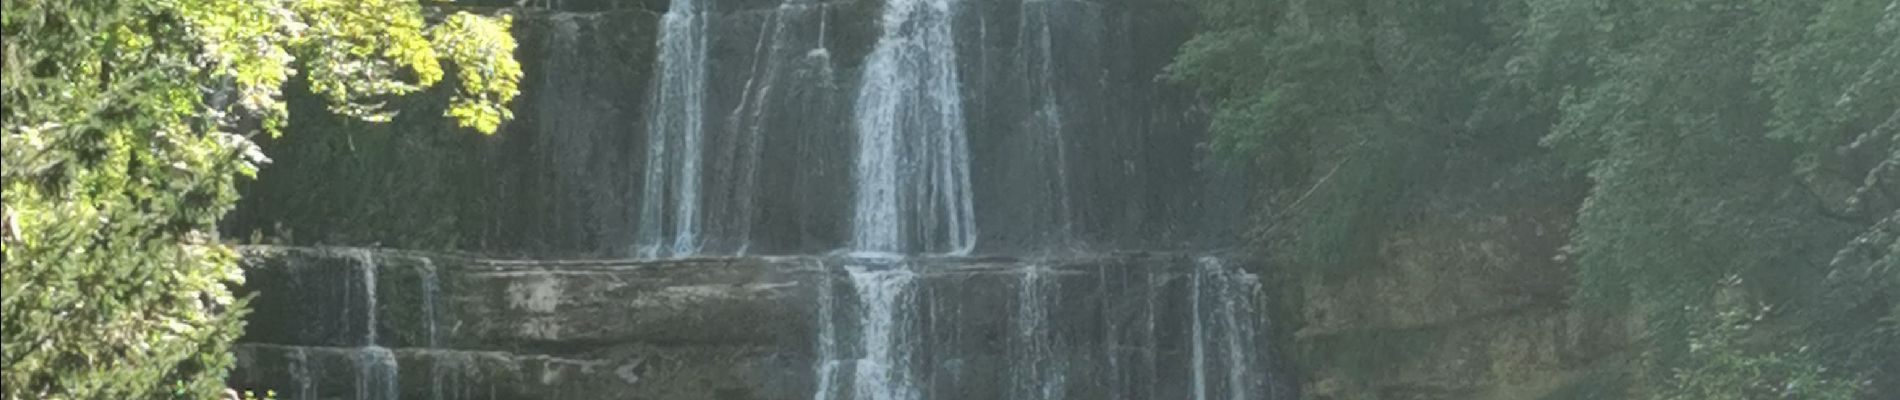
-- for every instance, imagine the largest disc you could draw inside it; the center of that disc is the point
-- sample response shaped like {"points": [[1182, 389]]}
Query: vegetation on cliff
{"points": [[127, 124], [1755, 142]]}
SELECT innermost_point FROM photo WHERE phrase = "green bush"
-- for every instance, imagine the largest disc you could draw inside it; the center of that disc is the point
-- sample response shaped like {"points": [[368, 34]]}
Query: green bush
{"points": [[1725, 363]]}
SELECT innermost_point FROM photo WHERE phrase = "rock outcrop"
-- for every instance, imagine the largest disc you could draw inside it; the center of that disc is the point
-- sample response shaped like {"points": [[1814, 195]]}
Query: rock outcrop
{"points": [[367, 324], [1467, 298], [385, 324]]}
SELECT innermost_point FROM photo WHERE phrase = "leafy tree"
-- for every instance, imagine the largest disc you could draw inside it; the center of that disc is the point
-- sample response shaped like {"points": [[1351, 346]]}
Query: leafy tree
{"points": [[126, 124], [1719, 138], [1350, 106], [1735, 138]]}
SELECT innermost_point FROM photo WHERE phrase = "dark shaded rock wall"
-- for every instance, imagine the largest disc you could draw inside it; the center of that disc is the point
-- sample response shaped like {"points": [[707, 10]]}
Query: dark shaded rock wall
{"points": [[553, 180]]}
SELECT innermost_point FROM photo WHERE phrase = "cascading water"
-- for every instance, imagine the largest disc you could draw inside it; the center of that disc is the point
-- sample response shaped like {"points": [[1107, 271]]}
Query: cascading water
{"points": [[912, 175], [366, 269], [1150, 335], [376, 374], [301, 376], [1038, 371], [1230, 322], [899, 336], [829, 358], [450, 375], [1052, 211], [887, 334], [669, 223], [912, 183], [375, 366], [431, 289], [1199, 341]]}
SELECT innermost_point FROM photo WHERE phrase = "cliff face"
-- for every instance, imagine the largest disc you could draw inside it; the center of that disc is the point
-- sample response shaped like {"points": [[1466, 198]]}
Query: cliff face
{"points": [[1467, 298], [732, 135], [1074, 146]]}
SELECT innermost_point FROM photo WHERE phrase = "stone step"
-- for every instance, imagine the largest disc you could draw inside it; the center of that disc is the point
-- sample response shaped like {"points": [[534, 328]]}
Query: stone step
{"points": [[374, 373], [1109, 326], [313, 296], [321, 297]]}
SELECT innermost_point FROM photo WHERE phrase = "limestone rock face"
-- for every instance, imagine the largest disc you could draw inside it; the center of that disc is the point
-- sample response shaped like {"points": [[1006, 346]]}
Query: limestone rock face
{"points": [[384, 324], [357, 323], [1462, 302]]}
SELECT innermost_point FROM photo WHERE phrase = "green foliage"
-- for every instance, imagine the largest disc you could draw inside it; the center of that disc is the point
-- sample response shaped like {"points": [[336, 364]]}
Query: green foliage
{"points": [[1724, 365], [251, 395], [122, 124], [1706, 174], [1350, 106], [488, 74], [1720, 138]]}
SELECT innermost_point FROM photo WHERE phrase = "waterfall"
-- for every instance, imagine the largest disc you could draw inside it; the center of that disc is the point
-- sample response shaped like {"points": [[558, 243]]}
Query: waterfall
{"points": [[912, 175], [1038, 371], [1037, 58], [759, 120], [375, 366], [1150, 304], [431, 288], [451, 372], [828, 356], [1199, 340], [877, 342], [1237, 313], [300, 375], [376, 374], [887, 337], [366, 268], [676, 135], [912, 188], [1231, 322]]}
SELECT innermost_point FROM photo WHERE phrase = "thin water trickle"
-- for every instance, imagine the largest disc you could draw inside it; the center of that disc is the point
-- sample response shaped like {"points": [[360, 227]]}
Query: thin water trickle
{"points": [[669, 202], [376, 374], [300, 374], [1046, 124], [366, 268], [431, 288], [1200, 336], [451, 375], [828, 355], [1149, 335], [1239, 288], [1038, 368]]}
